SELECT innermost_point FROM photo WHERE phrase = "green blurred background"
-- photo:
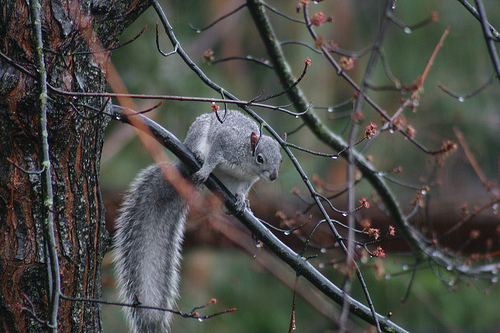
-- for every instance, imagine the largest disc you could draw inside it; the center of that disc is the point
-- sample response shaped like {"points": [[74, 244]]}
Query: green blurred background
{"points": [[214, 266]]}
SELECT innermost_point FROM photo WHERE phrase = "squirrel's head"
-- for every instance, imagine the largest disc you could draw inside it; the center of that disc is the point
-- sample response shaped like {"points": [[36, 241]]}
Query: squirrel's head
{"points": [[266, 156]]}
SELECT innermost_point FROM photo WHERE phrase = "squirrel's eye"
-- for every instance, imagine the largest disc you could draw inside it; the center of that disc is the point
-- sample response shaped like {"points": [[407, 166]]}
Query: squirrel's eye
{"points": [[260, 159]]}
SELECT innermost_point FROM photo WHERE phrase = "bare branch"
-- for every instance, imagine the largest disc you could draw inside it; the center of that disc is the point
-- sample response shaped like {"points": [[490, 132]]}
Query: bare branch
{"points": [[193, 314], [462, 98], [475, 13], [490, 42], [218, 20], [48, 196]]}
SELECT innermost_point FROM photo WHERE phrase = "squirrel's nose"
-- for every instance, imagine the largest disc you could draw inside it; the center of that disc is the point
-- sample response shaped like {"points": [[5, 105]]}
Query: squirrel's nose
{"points": [[273, 176]]}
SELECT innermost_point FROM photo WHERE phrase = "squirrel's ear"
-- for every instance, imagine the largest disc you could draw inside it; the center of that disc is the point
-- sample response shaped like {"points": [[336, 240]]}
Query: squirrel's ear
{"points": [[254, 138]]}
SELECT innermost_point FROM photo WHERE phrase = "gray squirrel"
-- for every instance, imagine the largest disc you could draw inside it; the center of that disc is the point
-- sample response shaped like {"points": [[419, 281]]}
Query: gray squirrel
{"points": [[150, 226]]}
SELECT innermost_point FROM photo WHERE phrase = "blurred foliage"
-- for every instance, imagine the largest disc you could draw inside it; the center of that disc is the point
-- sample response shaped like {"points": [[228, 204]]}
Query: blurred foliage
{"points": [[462, 65]]}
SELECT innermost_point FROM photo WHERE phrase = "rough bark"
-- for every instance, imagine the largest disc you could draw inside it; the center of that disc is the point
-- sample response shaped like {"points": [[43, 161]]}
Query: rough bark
{"points": [[75, 142]]}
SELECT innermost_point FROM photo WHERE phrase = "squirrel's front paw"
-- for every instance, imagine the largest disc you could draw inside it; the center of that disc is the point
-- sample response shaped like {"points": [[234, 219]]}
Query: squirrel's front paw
{"points": [[241, 202], [199, 178]]}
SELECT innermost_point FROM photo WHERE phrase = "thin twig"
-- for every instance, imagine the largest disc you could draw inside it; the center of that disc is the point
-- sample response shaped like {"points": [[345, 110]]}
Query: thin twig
{"points": [[178, 98], [17, 65], [433, 17], [490, 42], [275, 11], [293, 42], [112, 48], [469, 217], [471, 159], [312, 152], [410, 284], [29, 172], [32, 311], [304, 71], [98, 112], [218, 20], [388, 73], [398, 23], [352, 54], [433, 56], [475, 13], [246, 58], [159, 48], [293, 325], [191, 314], [48, 196], [462, 98]]}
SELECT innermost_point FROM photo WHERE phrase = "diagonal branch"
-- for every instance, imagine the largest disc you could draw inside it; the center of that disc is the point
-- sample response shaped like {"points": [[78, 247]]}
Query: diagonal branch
{"points": [[254, 225], [490, 43], [475, 13]]}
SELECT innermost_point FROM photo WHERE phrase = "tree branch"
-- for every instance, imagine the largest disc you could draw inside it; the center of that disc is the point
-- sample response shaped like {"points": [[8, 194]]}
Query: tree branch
{"points": [[490, 43], [475, 13], [254, 225]]}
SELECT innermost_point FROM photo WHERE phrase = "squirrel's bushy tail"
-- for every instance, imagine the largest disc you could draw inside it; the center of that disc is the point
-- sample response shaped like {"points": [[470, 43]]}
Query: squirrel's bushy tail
{"points": [[148, 238]]}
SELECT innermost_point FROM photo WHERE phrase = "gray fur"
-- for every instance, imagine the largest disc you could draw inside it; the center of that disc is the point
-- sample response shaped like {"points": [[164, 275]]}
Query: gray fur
{"points": [[150, 226], [226, 150], [148, 242]]}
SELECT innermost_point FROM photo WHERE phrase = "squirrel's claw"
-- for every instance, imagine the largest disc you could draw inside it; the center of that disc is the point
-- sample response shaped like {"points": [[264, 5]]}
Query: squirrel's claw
{"points": [[199, 177]]}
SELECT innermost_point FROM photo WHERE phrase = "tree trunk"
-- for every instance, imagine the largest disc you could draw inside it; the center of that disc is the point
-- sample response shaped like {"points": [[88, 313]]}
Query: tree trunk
{"points": [[75, 142]]}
